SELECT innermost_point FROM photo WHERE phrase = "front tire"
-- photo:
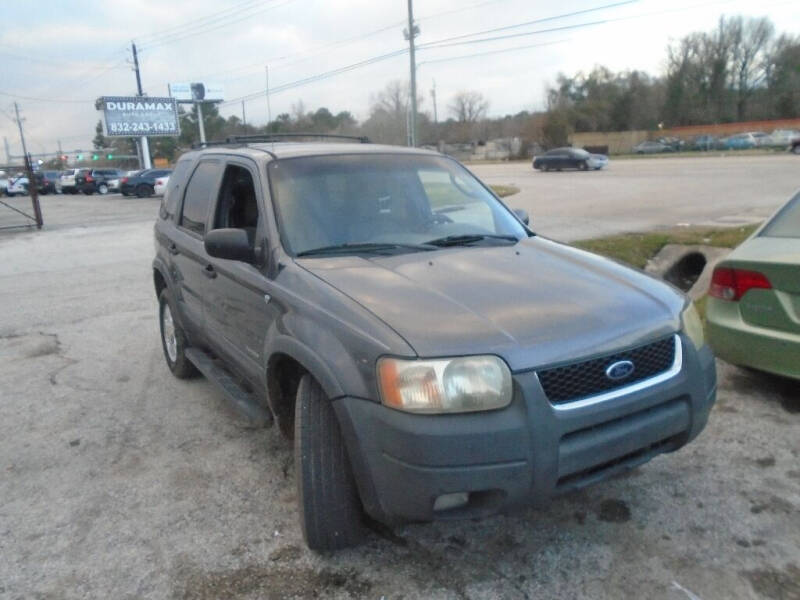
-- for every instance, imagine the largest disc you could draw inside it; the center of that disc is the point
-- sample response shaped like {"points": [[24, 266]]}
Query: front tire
{"points": [[102, 189], [331, 515], [584, 166], [796, 149], [173, 340]]}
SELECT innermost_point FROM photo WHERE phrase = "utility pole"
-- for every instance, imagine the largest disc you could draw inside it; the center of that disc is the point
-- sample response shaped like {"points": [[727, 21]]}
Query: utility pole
{"points": [[410, 34], [33, 189], [143, 145], [244, 116], [8, 150], [433, 96], [269, 110], [61, 161]]}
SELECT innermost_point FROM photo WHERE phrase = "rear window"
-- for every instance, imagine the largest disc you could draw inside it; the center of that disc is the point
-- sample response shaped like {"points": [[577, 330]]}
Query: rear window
{"points": [[786, 224]]}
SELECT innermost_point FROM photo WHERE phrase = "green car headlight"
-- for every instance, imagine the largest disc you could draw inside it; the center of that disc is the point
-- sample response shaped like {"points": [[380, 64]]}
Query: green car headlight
{"points": [[692, 325]]}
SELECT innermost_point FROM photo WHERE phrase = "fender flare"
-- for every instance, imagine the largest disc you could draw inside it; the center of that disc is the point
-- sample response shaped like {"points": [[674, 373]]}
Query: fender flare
{"points": [[308, 358]]}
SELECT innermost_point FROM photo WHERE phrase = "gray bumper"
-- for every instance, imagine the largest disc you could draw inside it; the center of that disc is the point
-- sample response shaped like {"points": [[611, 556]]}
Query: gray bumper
{"points": [[523, 454]]}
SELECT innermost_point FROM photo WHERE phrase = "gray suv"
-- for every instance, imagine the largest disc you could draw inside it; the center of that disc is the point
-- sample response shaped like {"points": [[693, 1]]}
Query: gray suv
{"points": [[428, 354]]}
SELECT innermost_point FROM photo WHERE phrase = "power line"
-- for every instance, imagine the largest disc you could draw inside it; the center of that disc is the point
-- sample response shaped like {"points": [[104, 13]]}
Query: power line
{"points": [[445, 44], [35, 99], [212, 26], [533, 22], [317, 77], [475, 54], [197, 21]]}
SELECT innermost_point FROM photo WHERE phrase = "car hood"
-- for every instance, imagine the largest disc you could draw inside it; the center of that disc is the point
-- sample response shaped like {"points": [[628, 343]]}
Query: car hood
{"points": [[535, 303]]}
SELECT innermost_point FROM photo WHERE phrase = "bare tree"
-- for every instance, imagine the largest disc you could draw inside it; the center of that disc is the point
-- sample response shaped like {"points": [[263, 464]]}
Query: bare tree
{"points": [[469, 107], [750, 60]]}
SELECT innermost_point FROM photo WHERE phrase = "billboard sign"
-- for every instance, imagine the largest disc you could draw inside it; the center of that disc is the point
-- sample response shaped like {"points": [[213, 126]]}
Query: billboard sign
{"points": [[196, 92], [140, 115]]}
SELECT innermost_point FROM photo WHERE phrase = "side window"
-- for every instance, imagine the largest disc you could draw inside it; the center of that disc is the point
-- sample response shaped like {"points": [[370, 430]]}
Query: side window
{"points": [[237, 206], [198, 196], [169, 203], [454, 197]]}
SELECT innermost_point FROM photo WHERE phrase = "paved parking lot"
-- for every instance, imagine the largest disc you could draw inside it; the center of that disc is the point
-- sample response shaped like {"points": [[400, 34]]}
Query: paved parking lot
{"points": [[119, 481], [640, 194]]}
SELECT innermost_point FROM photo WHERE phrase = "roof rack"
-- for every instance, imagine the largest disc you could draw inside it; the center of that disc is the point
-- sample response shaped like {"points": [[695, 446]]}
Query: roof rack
{"points": [[278, 137]]}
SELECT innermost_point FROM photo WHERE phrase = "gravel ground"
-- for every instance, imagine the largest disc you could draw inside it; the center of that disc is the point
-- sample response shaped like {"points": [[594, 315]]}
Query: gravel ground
{"points": [[119, 481]]}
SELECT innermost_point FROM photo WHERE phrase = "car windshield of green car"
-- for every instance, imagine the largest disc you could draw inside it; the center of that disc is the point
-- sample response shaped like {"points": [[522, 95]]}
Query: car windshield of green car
{"points": [[358, 203], [786, 223]]}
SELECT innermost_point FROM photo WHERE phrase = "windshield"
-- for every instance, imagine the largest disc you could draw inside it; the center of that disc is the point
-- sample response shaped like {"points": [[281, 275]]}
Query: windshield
{"points": [[786, 223], [362, 199]]}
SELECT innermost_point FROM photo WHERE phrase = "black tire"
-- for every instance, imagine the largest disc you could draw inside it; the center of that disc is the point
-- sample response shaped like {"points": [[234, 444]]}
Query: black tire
{"points": [[144, 191], [125, 193], [102, 189], [796, 149], [179, 364], [330, 510], [584, 166]]}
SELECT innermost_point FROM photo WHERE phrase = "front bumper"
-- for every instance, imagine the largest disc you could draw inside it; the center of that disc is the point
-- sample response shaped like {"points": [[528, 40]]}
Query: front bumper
{"points": [[522, 454]]}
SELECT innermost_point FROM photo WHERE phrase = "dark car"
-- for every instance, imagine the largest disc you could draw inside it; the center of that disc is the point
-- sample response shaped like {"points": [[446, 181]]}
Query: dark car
{"points": [[559, 159], [795, 147], [428, 354], [49, 182], [143, 183], [90, 181]]}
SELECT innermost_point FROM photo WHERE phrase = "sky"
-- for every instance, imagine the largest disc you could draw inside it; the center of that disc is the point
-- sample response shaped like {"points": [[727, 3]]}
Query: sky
{"points": [[56, 64]]}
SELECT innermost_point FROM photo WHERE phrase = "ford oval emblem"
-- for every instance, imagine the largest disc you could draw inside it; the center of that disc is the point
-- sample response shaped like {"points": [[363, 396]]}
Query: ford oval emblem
{"points": [[620, 370]]}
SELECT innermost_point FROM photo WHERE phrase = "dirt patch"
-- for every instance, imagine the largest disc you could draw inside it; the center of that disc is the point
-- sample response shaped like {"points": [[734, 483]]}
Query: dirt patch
{"points": [[614, 511], [272, 582], [774, 583]]}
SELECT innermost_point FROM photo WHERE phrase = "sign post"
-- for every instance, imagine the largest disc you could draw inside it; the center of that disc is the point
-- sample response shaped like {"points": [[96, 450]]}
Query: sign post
{"points": [[197, 93]]}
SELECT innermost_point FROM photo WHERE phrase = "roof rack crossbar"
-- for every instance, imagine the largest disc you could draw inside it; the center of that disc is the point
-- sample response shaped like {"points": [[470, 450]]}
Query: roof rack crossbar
{"points": [[269, 137]]}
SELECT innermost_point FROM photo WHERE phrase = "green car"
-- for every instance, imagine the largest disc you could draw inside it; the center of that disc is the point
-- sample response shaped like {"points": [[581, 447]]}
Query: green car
{"points": [[753, 307]]}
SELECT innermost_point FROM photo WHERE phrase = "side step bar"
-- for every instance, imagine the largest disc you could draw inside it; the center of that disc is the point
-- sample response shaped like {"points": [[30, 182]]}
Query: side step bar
{"points": [[244, 402]]}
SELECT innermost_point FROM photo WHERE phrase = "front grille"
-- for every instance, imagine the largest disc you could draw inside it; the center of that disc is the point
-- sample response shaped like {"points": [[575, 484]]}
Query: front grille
{"points": [[587, 378]]}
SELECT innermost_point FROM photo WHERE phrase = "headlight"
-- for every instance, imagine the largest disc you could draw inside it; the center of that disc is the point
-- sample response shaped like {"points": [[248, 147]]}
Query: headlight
{"points": [[446, 385], [693, 326]]}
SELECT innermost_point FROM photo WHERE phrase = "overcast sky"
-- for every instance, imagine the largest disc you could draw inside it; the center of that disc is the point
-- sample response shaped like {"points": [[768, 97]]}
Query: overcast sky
{"points": [[56, 63]]}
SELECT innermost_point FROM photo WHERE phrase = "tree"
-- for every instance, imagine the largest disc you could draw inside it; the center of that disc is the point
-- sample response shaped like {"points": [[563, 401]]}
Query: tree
{"points": [[469, 107], [99, 142]]}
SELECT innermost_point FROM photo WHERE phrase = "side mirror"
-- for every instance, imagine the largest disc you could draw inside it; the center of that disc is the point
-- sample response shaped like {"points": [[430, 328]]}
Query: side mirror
{"points": [[231, 244], [522, 215]]}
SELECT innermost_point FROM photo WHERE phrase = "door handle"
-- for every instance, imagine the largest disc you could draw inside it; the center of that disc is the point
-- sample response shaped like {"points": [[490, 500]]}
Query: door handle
{"points": [[210, 271], [172, 248]]}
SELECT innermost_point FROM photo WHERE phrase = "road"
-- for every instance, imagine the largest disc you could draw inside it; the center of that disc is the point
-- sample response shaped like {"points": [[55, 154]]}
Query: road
{"points": [[120, 481], [643, 194]]}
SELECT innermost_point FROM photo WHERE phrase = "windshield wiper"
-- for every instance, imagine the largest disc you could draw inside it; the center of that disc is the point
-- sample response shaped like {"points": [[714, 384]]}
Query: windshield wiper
{"points": [[470, 238], [364, 247]]}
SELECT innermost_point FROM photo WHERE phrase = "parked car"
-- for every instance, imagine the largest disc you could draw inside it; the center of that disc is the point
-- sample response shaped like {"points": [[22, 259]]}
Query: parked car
{"points": [[740, 141], [569, 158], [68, 181], [673, 143], [373, 301], [704, 142], [754, 295], [160, 185], [783, 138], [90, 181], [17, 185], [143, 183], [650, 147], [50, 182]]}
